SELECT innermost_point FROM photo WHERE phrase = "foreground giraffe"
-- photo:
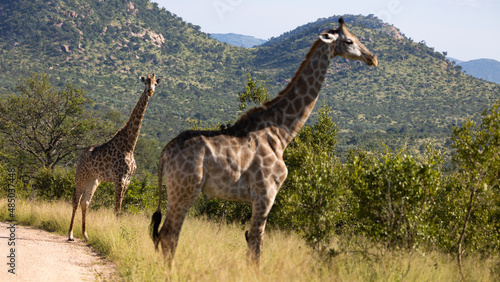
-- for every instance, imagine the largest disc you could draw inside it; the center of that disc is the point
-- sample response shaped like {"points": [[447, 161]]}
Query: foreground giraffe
{"points": [[244, 162], [111, 162]]}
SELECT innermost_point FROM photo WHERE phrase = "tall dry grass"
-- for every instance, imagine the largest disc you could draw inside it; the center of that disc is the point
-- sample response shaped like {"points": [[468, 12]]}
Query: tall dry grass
{"points": [[209, 251]]}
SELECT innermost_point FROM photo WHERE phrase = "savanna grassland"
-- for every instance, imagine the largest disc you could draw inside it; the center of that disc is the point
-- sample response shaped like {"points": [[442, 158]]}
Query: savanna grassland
{"points": [[211, 251]]}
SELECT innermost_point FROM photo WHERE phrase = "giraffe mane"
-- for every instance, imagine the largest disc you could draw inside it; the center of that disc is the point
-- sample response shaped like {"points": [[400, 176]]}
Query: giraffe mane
{"points": [[266, 105]]}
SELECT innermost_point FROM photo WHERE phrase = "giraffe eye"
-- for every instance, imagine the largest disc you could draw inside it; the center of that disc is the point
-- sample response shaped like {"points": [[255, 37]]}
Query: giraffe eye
{"points": [[349, 41]]}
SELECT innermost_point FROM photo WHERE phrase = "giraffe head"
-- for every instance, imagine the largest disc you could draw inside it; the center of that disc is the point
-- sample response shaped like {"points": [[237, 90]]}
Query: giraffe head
{"points": [[150, 83], [346, 45]]}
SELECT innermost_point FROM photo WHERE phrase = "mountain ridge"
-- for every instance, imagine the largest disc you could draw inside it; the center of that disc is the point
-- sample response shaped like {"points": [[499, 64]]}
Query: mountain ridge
{"points": [[487, 69], [238, 40]]}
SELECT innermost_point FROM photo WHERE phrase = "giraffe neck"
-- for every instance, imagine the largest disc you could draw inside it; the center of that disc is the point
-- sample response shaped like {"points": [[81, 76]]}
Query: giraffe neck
{"points": [[130, 132], [300, 96]]}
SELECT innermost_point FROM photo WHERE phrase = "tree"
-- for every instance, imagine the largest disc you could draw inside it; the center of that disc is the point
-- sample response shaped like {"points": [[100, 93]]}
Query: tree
{"points": [[478, 161], [256, 91], [49, 125], [394, 193]]}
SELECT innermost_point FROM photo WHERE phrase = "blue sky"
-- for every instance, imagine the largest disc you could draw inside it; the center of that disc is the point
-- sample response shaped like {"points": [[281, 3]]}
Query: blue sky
{"points": [[466, 29]]}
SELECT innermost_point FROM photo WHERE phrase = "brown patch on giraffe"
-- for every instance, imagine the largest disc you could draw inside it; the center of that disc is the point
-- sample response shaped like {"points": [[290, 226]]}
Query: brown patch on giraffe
{"points": [[268, 161], [297, 104], [311, 80], [302, 86], [308, 71]]}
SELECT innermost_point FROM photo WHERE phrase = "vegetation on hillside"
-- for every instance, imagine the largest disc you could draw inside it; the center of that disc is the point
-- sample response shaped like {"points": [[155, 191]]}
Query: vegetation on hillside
{"points": [[103, 46]]}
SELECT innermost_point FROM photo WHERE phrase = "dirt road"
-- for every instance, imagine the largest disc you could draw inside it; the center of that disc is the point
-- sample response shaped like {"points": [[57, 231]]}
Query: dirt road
{"points": [[45, 256]]}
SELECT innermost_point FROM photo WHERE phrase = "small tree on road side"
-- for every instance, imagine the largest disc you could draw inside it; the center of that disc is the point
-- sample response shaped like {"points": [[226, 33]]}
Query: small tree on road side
{"points": [[47, 126]]}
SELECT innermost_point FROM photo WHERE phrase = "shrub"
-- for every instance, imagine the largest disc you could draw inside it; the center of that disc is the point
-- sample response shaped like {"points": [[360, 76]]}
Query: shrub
{"points": [[394, 193], [469, 213], [141, 194], [313, 200], [54, 184], [224, 211]]}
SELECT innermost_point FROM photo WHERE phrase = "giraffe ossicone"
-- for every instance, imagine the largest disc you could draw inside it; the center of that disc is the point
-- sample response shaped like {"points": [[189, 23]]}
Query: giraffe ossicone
{"points": [[244, 162], [112, 161]]}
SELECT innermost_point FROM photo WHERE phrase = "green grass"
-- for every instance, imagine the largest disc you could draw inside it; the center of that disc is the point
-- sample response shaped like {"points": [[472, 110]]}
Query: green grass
{"points": [[210, 251]]}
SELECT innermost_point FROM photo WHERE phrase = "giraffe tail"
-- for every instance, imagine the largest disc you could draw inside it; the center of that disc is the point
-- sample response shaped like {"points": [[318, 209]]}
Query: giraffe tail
{"points": [[153, 228], [156, 218]]}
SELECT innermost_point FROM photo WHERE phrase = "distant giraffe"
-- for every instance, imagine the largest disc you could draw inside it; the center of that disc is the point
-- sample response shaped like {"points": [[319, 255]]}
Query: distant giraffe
{"points": [[244, 162], [111, 162]]}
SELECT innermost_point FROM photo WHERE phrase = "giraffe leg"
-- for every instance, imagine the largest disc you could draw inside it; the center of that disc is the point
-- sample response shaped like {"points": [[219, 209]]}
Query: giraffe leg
{"points": [[120, 189], [77, 196], [169, 232], [90, 188], [254, 237]]}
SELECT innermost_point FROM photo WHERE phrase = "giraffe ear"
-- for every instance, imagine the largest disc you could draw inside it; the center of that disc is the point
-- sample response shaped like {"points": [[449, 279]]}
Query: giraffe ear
{"points": [[328, 37], [142, 79], [158, 81]]}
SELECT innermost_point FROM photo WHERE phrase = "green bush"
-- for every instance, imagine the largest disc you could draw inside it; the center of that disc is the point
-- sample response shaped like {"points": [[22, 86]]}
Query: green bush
{"points": [[314, 200], [141, 194], [220, 210], [54, 184], [450, 211], [395, 192]]}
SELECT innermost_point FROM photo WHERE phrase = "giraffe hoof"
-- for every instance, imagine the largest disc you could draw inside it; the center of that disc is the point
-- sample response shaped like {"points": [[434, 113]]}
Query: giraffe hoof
{"points": [[71, 239]]}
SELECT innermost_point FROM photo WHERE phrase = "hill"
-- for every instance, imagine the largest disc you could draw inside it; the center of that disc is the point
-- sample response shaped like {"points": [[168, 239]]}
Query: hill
{"points": [[238, 39], [103, 46], [486, 69]]}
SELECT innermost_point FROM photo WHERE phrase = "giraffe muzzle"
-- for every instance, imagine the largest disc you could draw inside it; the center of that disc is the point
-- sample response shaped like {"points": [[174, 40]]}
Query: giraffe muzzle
{"points": [[372, 61]]}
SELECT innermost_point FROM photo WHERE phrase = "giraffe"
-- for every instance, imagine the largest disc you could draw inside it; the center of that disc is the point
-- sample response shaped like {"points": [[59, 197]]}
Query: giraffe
{"points": [[110, 162], [244, 162]]}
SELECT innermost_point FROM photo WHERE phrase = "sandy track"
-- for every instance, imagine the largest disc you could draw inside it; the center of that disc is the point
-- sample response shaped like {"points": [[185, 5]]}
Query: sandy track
{"points": [[44, 256]]}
